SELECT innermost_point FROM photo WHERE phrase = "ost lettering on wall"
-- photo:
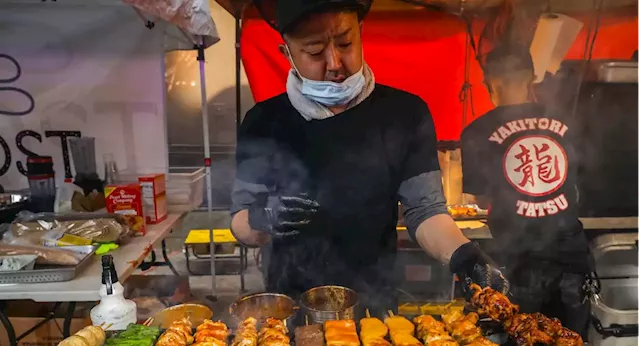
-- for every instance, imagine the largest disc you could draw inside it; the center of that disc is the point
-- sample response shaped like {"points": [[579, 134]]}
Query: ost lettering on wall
{"points": [[63, 135]]}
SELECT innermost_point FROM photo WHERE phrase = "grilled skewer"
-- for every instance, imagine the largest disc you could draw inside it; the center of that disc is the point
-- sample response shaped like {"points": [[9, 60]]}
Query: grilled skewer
{"points": [[273, 333], [309, 335], [247, 333], [211, 333], [526, 329], [464, 330], [432, 332], [401, 331], [373, 331], [178, 334], [341, 333]]}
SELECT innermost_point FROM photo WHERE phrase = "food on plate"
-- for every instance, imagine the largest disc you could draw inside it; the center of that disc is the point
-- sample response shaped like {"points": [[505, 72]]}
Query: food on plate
{"points": [[75, 340], [273, 333], [247, 333], [526, 329], [373, 332], [464, 330], [401, 331], [432, 332], [462, 211], [310, 335], [210, 331], [178, 334], [341, 333], [135, 335]]}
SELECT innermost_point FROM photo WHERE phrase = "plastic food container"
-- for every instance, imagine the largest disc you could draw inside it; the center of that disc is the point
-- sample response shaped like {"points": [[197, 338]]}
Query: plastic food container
{"points": [[185, 189], [615, 308]]}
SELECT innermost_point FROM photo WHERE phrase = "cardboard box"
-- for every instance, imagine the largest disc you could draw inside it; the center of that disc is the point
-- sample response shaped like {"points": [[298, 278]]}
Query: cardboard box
{"points": [[49, 334], [25, 314], [154, 197], [126, 200]]}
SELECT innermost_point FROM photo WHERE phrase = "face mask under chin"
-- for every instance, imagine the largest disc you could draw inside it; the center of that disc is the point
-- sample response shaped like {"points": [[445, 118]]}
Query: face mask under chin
{"points": [[328, 93]]}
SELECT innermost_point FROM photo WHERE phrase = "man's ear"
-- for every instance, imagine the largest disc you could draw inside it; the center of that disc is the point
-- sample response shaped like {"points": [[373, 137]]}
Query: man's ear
{"points": [[283, 50]]}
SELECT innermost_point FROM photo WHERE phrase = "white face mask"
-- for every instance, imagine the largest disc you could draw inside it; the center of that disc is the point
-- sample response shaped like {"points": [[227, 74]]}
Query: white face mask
{"points": [[331, 93]]}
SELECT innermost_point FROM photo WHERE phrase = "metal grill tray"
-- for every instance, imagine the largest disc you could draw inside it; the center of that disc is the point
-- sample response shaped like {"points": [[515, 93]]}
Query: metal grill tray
{"points": [[46, 273]]}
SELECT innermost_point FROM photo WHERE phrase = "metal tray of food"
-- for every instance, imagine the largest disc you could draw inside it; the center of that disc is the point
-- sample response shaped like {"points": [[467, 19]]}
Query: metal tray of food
{"points": [[50, 273]]}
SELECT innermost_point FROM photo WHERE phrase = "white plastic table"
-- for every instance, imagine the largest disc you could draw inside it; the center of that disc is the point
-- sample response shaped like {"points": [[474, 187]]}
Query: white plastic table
{"points": [[84, 287]]}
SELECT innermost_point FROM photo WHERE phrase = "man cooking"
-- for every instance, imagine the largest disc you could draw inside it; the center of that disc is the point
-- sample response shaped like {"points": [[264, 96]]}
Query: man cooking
{"points": [[519, 159], [321, 168]]}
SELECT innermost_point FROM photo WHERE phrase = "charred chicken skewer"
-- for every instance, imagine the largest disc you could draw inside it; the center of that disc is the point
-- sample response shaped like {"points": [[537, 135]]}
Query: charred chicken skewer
{"points": [[526, 329], [211, 333], [373, 331], [246, 333], [273, 333], [341, 333], [178, 334], [401, 331], [463, 328], [309, 335], [432, 332]]}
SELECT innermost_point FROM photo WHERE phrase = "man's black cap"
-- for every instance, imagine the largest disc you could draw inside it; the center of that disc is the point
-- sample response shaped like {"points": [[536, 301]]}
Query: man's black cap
{"points": [[283, 15]]}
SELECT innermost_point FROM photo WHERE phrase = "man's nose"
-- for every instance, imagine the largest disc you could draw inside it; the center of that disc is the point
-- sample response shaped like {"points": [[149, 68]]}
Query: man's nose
{"points": [[334, 62]]}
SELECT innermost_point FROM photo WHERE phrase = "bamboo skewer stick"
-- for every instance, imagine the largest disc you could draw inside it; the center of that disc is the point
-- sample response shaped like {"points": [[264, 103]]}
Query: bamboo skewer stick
{"points": [[366, 312], [391, 314], [306, 320], [108, 326]]}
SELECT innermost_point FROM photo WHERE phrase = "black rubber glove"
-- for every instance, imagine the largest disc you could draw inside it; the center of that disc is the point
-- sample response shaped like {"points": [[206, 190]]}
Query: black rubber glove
{"points": [[474, 266], [284, 215]]}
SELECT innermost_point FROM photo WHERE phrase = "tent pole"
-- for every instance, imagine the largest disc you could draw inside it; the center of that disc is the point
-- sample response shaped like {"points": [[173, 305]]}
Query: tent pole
{"points": [[238, 81], [207, 165]]}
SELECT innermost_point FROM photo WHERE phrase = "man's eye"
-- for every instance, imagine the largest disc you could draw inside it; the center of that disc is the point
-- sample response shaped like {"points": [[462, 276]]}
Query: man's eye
{"points": [[314, 53], [345, 45]]}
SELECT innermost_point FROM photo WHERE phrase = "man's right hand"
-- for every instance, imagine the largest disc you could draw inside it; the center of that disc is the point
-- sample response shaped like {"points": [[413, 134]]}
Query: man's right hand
{"points": [[284, 215], [472, 265]]}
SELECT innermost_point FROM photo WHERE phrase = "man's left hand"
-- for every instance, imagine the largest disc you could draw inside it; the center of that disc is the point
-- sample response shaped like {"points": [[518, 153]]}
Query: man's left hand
{"points": [[472, 265]]}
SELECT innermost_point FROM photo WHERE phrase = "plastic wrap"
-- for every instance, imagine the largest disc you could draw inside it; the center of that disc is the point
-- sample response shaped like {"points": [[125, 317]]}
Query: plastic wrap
{"points": [[46, 255], [97, 227]]}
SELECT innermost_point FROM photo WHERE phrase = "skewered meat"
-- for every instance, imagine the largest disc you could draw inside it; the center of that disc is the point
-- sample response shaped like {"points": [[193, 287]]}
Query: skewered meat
{"points": [[401, 331], [341, 333], [432, 332], [178, 334], [74, 340], [247, 333], [213, 342], [526, 329], [310, 335], [373, 332], [211, 331], [273, 333], [463, 328], [492, 303]]}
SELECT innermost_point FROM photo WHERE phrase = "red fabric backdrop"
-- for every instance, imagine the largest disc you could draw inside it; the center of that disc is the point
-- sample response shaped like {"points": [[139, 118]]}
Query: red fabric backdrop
{"points": [[420, 52]]}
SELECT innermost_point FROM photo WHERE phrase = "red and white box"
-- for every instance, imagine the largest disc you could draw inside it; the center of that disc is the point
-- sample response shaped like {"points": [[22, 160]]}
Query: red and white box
{"points": [[154, 197], [126, 200]]}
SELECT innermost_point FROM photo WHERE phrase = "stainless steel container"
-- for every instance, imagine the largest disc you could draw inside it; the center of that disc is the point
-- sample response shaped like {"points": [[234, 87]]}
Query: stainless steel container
{"points": [[615, 308], [612, 71], [326, 303], [264, 305]]}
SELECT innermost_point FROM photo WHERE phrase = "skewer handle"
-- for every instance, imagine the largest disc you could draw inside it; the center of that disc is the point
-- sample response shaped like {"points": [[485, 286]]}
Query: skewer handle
{"points": [[306, 320], [337, 316], [366, 312], [391, 314], [108, 326]]}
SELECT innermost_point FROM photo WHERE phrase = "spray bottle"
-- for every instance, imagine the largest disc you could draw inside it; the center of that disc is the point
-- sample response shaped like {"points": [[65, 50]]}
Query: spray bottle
{"points": [[114, 312]]}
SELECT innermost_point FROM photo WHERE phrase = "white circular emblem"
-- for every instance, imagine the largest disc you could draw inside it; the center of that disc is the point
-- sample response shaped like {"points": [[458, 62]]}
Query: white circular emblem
{"points": [[535, 165]]}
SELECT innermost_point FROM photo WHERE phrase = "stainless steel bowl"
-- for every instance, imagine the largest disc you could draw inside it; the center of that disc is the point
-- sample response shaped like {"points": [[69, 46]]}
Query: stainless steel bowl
{"points": [[329, 303], [264, 305]]}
